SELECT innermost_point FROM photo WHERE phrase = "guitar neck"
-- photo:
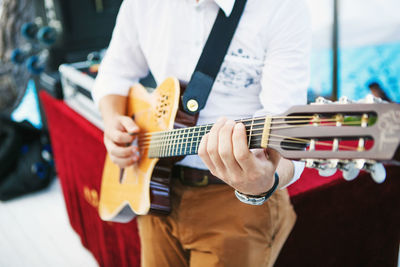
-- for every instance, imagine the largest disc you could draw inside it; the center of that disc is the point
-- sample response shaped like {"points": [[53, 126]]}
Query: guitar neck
{"points": [[335, 131], [186, 141]]}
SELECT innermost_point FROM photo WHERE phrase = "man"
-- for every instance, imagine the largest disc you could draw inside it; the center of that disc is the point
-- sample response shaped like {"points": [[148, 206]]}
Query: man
{"points": [[265, 71], [377, 91]]}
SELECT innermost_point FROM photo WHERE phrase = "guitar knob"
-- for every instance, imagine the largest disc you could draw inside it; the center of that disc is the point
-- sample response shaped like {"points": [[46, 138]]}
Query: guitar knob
{"points": [[378, 172], [321, 101], [359, 163], [345, 100], [327, 172], [310, 163], [371, 99], [328, 168], [350, 171]]}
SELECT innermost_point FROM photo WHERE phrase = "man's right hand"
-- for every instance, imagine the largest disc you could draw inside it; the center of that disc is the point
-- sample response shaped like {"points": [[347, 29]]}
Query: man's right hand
{"points": [[119, 131]]}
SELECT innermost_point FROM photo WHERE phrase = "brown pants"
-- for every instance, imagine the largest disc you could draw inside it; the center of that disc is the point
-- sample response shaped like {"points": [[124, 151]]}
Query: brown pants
{"points": [[208, 226]]}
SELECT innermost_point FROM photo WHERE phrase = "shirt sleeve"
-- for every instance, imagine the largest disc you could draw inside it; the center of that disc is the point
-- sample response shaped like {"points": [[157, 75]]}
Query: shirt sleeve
{"points": [[124, 63], [285, 75]]}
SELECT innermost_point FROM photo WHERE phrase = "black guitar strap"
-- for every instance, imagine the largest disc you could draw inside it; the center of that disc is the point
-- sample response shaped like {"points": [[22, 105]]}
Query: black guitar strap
{"points": [[207, 68]]}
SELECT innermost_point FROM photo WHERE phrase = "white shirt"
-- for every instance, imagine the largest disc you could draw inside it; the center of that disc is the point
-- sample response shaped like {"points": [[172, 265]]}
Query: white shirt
{"points": [[266, 69]]}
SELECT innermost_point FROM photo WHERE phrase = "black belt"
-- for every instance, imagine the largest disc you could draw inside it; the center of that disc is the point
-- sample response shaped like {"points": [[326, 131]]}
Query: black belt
{"points": [[194, 177]]}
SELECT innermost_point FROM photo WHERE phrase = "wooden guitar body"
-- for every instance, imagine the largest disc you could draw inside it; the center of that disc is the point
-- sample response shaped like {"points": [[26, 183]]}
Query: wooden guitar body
{"points": [[125, 192]]}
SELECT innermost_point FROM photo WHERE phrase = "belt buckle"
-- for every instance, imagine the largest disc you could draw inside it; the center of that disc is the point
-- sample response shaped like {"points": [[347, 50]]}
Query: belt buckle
{"points": [[203, 182]]}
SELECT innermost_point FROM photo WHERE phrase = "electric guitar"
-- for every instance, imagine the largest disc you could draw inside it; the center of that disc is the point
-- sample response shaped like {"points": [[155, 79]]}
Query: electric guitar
{"points": [[326, 135]]}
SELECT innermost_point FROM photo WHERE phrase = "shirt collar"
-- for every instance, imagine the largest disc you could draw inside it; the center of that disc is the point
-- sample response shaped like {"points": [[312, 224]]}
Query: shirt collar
{"points": [[226, 6]]}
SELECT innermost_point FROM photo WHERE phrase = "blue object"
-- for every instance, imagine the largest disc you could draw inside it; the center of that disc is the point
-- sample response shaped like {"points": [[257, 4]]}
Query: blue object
{"points": [[34, 65], [28, 109], [39, 169], [29, 30], [47, 35], [17, 56]]}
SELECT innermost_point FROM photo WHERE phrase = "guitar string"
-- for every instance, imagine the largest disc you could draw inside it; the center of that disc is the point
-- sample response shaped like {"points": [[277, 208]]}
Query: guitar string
{"points": [[183, 132], [269, 145], [262, 119], [184, 136], [259, 119], [186, 140], [304, 141], [180, 146], [288, 140], [157, 139]]}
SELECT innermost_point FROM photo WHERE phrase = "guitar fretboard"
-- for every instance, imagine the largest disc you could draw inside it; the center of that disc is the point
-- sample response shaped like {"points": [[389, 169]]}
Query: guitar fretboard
{"points": [[186, 141]]}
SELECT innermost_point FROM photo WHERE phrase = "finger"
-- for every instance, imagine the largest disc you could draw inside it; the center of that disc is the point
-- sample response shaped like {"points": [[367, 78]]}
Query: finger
{"points": [[212, 145], [128, 124], [120, 137], [124, 152], [204, 155], [120, 151], [241, 150], [225, 148], [123, 162]]}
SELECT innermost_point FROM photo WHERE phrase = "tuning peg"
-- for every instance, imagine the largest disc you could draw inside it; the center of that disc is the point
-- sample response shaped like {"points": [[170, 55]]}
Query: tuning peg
{"points": [[345, 100], [359, 163], [325, 168], [310, 163], [377, 171], [328, 168], [350, 171], [327, 172], [371, 99], [321, 101]]}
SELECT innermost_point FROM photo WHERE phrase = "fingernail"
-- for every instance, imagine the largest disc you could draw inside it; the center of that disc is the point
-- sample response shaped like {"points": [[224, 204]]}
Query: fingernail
{"points": [[221, 119], [239, 125], [230, 122]]}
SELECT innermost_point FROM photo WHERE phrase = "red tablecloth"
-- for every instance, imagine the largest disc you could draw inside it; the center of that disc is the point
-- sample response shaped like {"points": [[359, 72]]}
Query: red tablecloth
{"points": [[339, 223]]}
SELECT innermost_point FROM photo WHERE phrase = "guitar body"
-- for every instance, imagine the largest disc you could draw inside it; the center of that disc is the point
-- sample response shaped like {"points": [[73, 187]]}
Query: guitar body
{"points": [[143, 187]]}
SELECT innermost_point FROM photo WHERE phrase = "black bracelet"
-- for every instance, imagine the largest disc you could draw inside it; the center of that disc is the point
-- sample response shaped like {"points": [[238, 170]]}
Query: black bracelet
{"points": [[258, 199]]}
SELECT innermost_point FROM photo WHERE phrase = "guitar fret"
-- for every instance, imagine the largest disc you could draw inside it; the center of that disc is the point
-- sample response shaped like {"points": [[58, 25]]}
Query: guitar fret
{"points": [[163, 144], [174, 144], [177, 142], [192, 139], [198, 129], [187, 140], [160, 147], [182, 139], [192, 132], [169, 144], [186, 136], [251, 131]]}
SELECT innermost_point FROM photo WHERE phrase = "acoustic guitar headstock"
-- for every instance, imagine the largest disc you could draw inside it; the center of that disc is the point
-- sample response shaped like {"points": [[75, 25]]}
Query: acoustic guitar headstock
{"points": [[344, 135]]}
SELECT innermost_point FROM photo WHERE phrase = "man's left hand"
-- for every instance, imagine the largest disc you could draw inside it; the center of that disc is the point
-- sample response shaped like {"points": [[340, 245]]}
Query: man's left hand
{"points": [[226, 153]]}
